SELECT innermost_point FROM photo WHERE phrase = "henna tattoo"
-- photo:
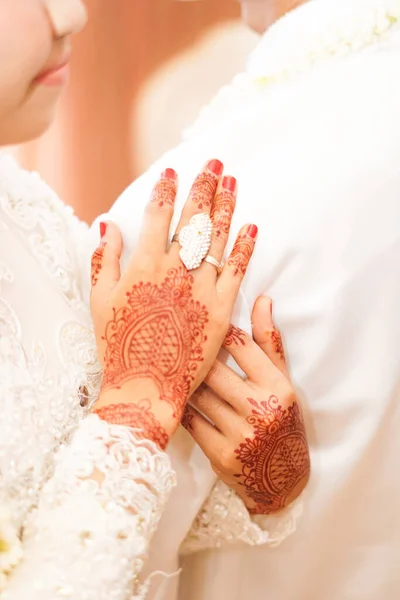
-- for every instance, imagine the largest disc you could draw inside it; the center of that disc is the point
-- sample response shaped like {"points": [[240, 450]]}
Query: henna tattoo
{"points": [[203, 190], [187, 419], [97, 261], [164, 192], [137, 416], [278, 344], [159, 334], [276, 460], [221, 213], [241, 254], [235, 336]]}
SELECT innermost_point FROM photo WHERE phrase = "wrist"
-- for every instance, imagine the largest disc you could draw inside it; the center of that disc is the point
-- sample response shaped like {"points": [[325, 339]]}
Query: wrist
{"points": [[151, 418]]}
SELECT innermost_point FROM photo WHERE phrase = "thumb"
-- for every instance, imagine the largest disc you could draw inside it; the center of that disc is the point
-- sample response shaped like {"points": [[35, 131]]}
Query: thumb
{"points": [[105, 266], [266, 335]]}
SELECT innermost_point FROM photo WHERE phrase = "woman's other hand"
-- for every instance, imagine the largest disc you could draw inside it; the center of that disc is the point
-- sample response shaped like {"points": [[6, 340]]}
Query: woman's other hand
{"points": [[252, 430], [159, 326]]}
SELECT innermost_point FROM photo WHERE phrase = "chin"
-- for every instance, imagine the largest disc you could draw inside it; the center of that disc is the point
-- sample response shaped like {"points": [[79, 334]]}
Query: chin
{"points": [[24, 132], [28, 123], [37, 127]]}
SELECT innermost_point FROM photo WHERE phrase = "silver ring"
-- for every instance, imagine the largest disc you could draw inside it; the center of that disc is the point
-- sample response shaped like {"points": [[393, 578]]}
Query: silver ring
{"points": [[195, 239], [213, 261]]}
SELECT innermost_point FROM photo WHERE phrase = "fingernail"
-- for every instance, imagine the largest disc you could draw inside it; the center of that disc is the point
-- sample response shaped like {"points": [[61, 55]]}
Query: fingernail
{"points": [[230, 184], [252, 231], [215, 166], [103, 229], [169, 174]]}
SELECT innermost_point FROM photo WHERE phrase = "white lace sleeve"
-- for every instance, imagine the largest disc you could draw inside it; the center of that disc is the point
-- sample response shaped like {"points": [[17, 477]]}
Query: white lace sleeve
{"points": [[88, 540], [224, 519]]}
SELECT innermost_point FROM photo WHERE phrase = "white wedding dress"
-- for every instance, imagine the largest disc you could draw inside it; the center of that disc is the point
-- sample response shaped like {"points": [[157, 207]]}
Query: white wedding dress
{"points": [[79, 540], [312, 132]]}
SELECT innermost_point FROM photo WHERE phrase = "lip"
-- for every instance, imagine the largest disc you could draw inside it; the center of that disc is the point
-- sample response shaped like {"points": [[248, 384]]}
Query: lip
{"points": [[55, 76]]}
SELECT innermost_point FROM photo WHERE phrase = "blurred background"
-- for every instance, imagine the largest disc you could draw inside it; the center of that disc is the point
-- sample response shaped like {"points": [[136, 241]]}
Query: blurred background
{"points": [[141, 70]]}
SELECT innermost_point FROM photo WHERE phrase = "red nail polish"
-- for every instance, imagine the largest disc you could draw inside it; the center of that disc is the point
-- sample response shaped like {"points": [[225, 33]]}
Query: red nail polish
{"points": [[103, 229], [229, 183], [169, 174], [252, 231], [215, 166]]}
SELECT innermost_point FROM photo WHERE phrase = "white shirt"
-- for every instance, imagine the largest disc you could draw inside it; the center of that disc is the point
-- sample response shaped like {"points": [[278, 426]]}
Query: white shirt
{"points": [[316, 150]]}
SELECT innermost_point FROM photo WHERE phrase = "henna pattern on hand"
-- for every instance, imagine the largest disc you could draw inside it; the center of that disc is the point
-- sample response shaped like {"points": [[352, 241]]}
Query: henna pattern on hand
{"points": [[221, 213], [203, 190], [164, 192], [97, 261], [235, 337], [241, 254], [276, 459], [187, 419], [159, 334], [278, 344], [137, 415]]}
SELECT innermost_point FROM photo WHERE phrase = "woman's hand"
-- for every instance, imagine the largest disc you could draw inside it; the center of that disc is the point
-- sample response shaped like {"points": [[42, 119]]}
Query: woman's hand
{"points": [[159, 326], [258, 443]]}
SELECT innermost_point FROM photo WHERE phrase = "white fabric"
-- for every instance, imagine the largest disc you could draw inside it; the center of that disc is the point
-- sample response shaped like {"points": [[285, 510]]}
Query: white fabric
{"points": [[61, 534], [317, 157]]}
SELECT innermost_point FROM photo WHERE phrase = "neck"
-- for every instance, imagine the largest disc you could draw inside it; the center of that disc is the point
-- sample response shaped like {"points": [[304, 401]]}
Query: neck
{"points": [[260, 15]]}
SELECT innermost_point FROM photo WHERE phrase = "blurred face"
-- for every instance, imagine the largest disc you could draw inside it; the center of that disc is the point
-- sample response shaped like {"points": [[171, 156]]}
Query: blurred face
{"points": [[260, 14], [34, 55]]}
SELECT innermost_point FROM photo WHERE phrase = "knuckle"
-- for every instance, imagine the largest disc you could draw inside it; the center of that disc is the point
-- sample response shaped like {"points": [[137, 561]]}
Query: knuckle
{"points": [[220, 317], [236, 337], [247, 433], [198, 396], [219, 236], [287, 394], [163, 196], [216, 470], [221, 214], [226, 460], [203, 190], [213, 372]]}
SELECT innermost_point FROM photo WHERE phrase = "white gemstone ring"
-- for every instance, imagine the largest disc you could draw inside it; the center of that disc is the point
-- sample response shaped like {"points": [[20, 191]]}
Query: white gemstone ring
{"points": [[195, 240]]}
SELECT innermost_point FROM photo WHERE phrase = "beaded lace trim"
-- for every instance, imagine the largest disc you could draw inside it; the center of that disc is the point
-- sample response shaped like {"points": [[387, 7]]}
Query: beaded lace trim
{"points": [[314, 33], [89, 536]]}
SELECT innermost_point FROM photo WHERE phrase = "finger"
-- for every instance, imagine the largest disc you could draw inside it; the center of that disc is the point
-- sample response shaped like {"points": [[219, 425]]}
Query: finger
{"points": [[248, 355], [229, 386], [210, 440], [221, 215], [205, 401], [236, 266], [201, 196], [266, 335], [105, 266], [154, 234]]}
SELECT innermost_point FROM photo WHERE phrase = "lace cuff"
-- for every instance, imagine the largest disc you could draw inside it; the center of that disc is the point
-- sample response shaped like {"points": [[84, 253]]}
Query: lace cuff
{"points": [[224, 518], [89, 536]]}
